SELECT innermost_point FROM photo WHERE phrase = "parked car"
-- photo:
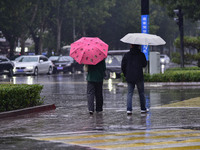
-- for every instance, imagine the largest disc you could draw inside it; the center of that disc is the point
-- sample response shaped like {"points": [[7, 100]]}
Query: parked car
{"points": [[113, 62], [65, 64], [6, 66], [164, 59], [33, 65]]}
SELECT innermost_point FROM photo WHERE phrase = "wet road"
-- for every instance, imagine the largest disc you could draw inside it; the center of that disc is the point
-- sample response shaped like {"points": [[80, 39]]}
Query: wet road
{"points": [[71, 119]]}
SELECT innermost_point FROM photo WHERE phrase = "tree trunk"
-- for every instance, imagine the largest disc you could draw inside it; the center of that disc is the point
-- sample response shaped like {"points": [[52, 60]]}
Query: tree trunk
{"points": [[12, 47], [59, 26], [22, 43], [37, 47], [40, 46]]}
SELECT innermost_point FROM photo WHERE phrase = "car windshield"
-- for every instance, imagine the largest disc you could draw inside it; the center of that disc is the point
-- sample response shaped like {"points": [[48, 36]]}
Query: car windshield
{"points": [[53, 58], [114, 60], [18, 58], [29, 59], [64, 59], [162, 56]]}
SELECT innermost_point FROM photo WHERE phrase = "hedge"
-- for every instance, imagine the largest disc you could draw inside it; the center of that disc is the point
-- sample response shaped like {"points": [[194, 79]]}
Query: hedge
{"points": [[190, 74], [18, 96], [175, 76]]}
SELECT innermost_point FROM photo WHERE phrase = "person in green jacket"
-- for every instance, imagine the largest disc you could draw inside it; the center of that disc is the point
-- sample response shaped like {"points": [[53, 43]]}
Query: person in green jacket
{"points": [[95, 78]]}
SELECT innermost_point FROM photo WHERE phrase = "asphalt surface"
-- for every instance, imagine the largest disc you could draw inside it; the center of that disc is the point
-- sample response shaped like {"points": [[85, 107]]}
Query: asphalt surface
{"points": [[171, 122]]}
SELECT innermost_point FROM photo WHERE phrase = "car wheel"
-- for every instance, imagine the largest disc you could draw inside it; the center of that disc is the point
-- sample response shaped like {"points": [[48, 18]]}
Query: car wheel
{"points": [[118, 75], [10, 74], [35, 72], [65, 71], [54, 71], [50, 70]]}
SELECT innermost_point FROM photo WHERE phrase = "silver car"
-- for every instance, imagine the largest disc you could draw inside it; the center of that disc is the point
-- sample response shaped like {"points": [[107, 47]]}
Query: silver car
{"points": [[164, 59], [33, 65]]}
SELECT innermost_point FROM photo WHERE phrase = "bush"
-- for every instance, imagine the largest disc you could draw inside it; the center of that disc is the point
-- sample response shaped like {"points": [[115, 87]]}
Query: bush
{"points": [[176, 76], [190, 74], [18, 96], [188, 58]]}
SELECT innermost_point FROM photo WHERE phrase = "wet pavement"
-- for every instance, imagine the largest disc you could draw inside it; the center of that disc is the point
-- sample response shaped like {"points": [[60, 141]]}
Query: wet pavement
{"points": [[71, 118]]}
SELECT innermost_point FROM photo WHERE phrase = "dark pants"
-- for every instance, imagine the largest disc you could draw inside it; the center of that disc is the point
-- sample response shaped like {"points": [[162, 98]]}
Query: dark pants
{"points": [[140, 87], [95, 90]]}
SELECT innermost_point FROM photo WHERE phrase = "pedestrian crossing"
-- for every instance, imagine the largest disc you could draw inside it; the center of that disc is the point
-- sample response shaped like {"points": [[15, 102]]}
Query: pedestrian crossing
{"points": [[157, 139]]}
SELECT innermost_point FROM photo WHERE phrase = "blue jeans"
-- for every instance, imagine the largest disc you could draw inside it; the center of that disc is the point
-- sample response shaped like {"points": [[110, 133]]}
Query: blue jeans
{"points": [[140, 87]]}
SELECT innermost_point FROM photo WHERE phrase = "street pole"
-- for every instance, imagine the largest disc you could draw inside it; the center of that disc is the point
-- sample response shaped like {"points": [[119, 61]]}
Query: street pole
{"points": [[181, 38], [145, 27], [179, 21]]}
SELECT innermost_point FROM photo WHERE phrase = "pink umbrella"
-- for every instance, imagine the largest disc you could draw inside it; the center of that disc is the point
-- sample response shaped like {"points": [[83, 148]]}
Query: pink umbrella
{"points": [[89, 50]]}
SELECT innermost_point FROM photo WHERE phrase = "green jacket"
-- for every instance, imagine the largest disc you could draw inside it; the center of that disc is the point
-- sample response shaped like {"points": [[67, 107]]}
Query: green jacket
{"points": [[96, 72]]}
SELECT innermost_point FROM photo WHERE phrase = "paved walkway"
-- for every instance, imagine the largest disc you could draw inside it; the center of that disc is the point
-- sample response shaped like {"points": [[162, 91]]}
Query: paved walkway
{"points": [[69, 126]]}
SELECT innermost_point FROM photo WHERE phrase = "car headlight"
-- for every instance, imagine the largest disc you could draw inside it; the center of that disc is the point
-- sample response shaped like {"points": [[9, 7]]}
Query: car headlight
{"points": [[30, 67], [68, 64], [162, 60]]}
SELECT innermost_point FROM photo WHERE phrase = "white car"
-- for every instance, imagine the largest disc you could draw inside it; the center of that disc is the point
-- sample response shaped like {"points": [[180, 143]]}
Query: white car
{"points": [[164, 59], [33, 65]]}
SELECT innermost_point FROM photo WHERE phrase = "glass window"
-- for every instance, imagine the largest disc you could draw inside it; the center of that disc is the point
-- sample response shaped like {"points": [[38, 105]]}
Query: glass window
{"points": [[3, 59], [29, 59], [114, 60], [53, 58]]}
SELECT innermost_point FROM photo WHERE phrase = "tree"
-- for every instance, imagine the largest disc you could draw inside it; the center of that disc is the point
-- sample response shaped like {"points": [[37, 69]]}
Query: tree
{"points": [[59, 13], [90, 15], [125, 18], [161, 24], [190, 43], [12, 21], [38, 14]]}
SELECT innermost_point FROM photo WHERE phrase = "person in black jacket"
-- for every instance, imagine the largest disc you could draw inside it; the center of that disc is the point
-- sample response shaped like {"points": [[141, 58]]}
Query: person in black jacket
{"points": [[132, 68]]}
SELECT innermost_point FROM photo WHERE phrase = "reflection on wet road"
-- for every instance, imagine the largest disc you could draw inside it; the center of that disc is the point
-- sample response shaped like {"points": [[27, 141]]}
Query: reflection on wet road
{"points": [[68, 92]]}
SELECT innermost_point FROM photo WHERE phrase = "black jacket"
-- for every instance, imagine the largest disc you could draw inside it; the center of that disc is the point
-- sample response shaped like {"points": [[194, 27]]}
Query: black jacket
{"points": [[132, 65]]}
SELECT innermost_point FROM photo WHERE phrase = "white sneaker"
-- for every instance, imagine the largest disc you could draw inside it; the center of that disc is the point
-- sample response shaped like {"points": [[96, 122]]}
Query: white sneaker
{"points": [[129, 112], [145, 111]]}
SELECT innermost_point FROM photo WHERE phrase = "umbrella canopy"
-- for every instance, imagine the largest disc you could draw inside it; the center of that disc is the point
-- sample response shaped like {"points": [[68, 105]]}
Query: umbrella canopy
{"points": [[89, 50], [143, 39]]}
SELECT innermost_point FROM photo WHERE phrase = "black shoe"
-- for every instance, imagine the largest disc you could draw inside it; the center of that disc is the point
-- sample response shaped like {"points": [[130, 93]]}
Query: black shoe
{"points": [[99, 112], [91, 112]]}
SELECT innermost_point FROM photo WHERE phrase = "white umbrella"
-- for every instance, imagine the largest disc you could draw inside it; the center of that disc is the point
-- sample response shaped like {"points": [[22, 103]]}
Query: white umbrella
{"points": [[143, 39]]}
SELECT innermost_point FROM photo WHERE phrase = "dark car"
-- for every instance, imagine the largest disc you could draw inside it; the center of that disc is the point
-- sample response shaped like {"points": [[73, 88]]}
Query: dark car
{"points": [[65, 64], [6, 66], [113, 63]]}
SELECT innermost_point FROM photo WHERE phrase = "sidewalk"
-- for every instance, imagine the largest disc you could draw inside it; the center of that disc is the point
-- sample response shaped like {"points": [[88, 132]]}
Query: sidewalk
{"points": [[71, 119]]}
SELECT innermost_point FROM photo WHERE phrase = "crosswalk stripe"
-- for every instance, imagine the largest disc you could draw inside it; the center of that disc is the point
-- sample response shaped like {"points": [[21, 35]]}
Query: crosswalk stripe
{"points": [[146, 144], [180, 148], [168, 139], [136, 138], [114, 134]]}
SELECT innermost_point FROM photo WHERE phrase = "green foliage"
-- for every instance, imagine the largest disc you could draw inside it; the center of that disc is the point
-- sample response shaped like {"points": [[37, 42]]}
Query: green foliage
{"points": [[188, 58], [188, 74], [175, 76], [182, 69], [18, 96], [190, 8], [176, 58], [189, 42]]}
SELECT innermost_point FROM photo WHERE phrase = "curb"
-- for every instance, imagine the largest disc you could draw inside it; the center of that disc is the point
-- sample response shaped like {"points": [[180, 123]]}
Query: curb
{"points": [[161, 84], [29, 110]]}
